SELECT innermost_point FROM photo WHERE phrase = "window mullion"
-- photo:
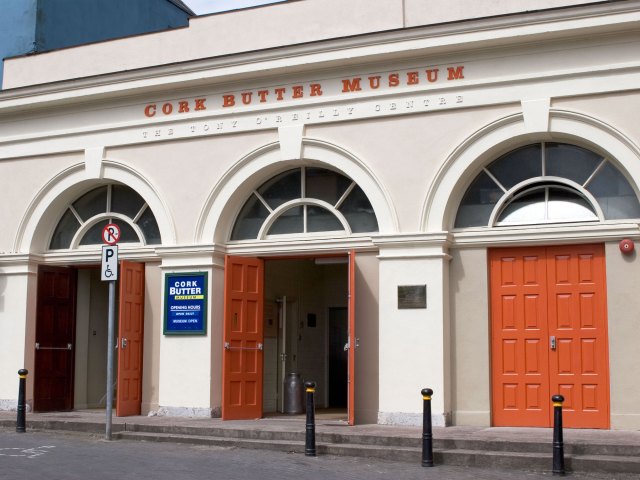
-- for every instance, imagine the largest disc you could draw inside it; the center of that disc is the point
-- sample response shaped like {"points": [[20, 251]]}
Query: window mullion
{"points": [[595, 172], [495, 180], [345, 195], [140, 212], [75, 214], [264, 202]]}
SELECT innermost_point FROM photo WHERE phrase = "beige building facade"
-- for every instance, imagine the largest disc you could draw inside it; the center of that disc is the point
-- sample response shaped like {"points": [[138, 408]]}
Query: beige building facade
{"points": [[435, 192]]}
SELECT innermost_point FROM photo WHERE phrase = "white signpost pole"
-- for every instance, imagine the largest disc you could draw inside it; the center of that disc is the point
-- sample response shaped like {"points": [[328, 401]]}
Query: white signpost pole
{"points": [[109, 273]]}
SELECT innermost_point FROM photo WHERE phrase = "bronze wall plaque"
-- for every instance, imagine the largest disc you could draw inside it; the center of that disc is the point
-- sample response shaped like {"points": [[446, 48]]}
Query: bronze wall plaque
{"points": [[412, 296]]}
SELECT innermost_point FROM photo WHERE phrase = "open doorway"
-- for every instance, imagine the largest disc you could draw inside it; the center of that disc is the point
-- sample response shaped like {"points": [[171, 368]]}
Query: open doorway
{"points": [[306, 330], [71, 339]]}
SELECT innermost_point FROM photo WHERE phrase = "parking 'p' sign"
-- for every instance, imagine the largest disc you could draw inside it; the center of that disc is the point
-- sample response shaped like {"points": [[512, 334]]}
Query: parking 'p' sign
{"points": [[111, 234]]}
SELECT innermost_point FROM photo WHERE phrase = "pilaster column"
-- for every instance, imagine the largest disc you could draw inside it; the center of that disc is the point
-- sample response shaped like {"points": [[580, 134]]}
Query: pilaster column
{"points": [[414, 330]]}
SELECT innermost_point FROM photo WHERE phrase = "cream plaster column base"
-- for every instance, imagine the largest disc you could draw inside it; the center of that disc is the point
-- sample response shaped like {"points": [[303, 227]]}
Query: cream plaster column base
{"points": [[414, 343], [18, 283], [412, 419], [186, 377]]}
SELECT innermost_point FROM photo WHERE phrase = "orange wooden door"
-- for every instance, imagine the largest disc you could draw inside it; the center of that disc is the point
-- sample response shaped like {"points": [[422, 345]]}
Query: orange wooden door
{"points": [[243, 338], [519, 351], [353, 342], [130, 336], [549, 335], [579, 365]]}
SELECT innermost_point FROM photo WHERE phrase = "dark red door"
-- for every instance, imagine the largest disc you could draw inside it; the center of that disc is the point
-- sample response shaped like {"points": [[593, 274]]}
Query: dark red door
{"points": [[130, 336], [55, 333], [243, 338]]}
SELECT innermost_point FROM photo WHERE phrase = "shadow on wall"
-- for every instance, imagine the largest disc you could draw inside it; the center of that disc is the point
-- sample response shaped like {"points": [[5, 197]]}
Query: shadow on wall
{"points": [[3, 287]]}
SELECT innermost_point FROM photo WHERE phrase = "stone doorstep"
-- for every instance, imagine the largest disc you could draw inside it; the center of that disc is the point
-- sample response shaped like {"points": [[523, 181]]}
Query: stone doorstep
{"points": [[487, 453]]}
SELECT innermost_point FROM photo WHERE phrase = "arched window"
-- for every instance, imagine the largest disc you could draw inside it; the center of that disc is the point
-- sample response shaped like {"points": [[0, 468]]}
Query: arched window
{"points": [[547, 183], [305, 201], [83, 221]]}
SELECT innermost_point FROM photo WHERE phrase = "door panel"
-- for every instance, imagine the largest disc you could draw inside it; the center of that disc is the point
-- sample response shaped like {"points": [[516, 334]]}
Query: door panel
{"points": [[519, 327], [242, 359], [540, 294], [55, 339], [353, 341], [578, 320], [130, 336]]}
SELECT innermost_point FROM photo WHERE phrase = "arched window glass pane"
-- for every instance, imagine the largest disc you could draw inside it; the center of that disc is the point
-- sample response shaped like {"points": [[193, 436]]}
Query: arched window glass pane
{"points": [[125, 201], [528, 208], [325, 185], [65, 230], [569, 161], [614, 194], [321, 220], [358, 211], [566, 206], [478, 202], [91, 203], [290, 221], [281, 188], [94, 234], [250, 220], [149, 226], [547, 204], [517, 166]]}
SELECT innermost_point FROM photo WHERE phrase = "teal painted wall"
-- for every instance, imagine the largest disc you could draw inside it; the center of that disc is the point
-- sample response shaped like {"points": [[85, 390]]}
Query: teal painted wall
{"points": [[28, 26], [17, 28]]}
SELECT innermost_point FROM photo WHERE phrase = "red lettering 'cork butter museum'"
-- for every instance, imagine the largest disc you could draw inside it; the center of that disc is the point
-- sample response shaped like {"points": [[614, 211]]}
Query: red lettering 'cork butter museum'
{"points": [[378, 195]]}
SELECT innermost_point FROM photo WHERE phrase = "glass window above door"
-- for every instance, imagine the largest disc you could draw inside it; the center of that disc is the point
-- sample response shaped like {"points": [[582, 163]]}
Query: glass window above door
{"points": [[305, 201], [547, 183], [83, 220]]}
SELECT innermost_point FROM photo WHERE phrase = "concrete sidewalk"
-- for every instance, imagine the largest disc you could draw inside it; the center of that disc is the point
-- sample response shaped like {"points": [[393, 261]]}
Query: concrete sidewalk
{"points": [[490, 447], [329, 424]]}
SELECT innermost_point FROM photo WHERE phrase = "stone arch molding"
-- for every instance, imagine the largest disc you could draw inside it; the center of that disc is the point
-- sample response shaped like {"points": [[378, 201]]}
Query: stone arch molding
{"points": [[467, 160], [45, 209], [231, 191]]}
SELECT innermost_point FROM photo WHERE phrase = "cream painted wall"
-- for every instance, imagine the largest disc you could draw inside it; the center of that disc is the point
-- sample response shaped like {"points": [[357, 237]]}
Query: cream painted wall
{"points": [[13, 312], [216, 319], [184, 387], [186, 188], [152, 334], [616, 110], [368, 331], [423, 12], [623, 304], [470, 352], [271, 26], [214, 35], [33, 173], [413, 145], [414, 349]]}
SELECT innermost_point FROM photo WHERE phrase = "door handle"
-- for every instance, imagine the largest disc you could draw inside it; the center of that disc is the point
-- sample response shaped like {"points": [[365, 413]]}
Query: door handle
{"points": [[123, 343], [552, 342]]}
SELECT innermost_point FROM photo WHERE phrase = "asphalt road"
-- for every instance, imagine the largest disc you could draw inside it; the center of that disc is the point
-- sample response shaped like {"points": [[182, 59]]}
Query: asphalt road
{"points": [[70, 456]]}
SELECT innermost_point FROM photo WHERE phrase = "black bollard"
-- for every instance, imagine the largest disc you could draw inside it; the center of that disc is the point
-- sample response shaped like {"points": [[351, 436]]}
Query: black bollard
{"points": [[427, 434], [310, 437], [558, 444], [21, 421]]}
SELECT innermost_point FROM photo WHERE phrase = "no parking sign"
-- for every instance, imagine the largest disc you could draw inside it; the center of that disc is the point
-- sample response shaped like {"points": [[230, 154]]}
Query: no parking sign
{"points": [[109, 263]]}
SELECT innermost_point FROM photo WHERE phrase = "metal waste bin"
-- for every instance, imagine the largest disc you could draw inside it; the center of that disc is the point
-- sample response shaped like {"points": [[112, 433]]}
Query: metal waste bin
{"points": [[293, 394]]}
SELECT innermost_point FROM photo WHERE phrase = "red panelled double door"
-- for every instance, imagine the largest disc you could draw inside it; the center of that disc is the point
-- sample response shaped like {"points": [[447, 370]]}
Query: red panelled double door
{"points": [[549, 335]]}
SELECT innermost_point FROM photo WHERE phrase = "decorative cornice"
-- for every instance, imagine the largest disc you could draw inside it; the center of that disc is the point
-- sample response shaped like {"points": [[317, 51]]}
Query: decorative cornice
{"points": [[533, 235]]}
